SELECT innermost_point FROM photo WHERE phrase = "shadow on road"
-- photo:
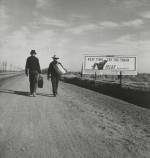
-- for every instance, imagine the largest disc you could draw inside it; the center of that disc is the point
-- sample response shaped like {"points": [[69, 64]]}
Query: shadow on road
{"points": [[14, 92], [45, 95], [23, 93]]}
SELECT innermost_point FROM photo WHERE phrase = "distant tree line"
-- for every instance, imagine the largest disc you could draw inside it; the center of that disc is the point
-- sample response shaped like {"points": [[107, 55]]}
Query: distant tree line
{"points": [[7, 67]]}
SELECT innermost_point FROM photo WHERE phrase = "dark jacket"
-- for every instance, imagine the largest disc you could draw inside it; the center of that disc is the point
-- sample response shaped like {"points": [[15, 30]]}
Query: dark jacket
{"points": [[32, 64], [51, 69]]}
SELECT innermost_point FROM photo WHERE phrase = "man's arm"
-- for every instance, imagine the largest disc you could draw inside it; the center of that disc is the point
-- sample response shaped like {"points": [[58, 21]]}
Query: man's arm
{"points": [[26, 68]]}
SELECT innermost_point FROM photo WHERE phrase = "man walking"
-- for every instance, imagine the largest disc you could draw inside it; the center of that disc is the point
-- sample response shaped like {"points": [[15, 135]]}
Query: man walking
{"points": [[55, 76], [32, 69]]}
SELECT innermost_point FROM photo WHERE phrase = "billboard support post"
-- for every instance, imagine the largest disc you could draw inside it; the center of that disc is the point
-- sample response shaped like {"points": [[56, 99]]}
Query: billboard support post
{"points": [[81, 74], [95, 76], [120, 78]]}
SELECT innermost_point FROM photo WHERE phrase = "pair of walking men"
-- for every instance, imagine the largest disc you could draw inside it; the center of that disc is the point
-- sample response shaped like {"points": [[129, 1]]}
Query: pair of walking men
{"points": [[32, 69]]}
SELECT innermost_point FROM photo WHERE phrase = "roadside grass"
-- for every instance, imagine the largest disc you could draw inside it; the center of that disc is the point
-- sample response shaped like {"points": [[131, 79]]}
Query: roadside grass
{"points": [[134, 89]]}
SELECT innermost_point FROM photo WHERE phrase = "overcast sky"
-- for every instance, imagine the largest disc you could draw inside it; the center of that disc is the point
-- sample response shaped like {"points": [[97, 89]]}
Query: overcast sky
{"points": [[71, 28]]}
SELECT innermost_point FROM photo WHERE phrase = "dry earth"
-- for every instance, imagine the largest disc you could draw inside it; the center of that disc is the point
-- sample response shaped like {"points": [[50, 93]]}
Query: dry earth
{"points": [[78, 123]]}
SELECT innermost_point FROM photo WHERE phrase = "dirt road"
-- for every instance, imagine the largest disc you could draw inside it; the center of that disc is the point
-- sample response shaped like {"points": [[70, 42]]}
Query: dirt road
{"points": [[78, 123]]}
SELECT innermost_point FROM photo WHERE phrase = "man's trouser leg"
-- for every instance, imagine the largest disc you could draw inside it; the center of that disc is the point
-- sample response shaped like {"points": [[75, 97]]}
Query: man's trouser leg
{"points": [[33, 78], [54, 81], [57, 81], [31, 83]]}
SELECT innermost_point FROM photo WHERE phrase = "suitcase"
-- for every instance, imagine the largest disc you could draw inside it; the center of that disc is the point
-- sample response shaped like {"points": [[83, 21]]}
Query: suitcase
{"points": [[59, 69], [40, 82]]}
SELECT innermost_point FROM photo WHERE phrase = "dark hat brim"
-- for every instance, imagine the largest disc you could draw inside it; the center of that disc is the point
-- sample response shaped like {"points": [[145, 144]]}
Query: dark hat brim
{"points": [[54, 57]]}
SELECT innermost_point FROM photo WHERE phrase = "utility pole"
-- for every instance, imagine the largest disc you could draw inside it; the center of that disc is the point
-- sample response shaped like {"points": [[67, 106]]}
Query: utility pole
{"points": [[10, 67], [5, 66]]}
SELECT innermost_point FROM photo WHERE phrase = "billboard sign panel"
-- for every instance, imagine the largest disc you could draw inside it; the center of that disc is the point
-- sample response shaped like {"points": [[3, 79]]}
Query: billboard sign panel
{"points": [[111, 65]]}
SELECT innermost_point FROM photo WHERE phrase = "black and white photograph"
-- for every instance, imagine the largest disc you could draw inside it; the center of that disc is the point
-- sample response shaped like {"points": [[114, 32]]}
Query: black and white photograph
{"points": [[74, 78]]}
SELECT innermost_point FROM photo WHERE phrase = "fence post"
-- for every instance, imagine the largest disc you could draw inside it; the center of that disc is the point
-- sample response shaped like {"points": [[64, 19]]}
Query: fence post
{"points": [[82, 70]]}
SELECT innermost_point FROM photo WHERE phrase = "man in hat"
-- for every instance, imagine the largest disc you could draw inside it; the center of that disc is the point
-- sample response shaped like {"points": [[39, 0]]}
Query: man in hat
{"points": [[55, 76], [32, 69]]}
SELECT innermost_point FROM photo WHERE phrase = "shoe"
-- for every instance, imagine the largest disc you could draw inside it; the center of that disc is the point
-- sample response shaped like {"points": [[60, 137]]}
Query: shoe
{"points": [[31, 95], [34, 94], [54, 94]]}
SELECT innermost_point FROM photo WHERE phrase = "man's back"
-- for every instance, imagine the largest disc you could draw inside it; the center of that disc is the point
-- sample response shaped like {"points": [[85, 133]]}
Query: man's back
{"points": [[51, 69], [33, 64]]}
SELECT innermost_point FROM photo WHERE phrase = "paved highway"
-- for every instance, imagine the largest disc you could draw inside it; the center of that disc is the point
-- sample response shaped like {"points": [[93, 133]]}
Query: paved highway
{"points": [[78, 123]]}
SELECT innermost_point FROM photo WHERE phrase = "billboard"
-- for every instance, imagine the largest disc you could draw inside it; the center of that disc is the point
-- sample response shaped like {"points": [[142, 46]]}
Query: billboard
{"points": [[110, 65]]}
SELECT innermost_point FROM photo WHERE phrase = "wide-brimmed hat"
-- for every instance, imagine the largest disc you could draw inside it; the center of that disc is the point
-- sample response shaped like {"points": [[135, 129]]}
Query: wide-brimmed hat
{"points": [[105, 59], [33, 52], [54, 57]]}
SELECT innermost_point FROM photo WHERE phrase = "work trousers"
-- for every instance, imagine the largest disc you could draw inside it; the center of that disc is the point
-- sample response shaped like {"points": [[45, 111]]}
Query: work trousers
{"points": [[55, 81], [33, 79]]}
